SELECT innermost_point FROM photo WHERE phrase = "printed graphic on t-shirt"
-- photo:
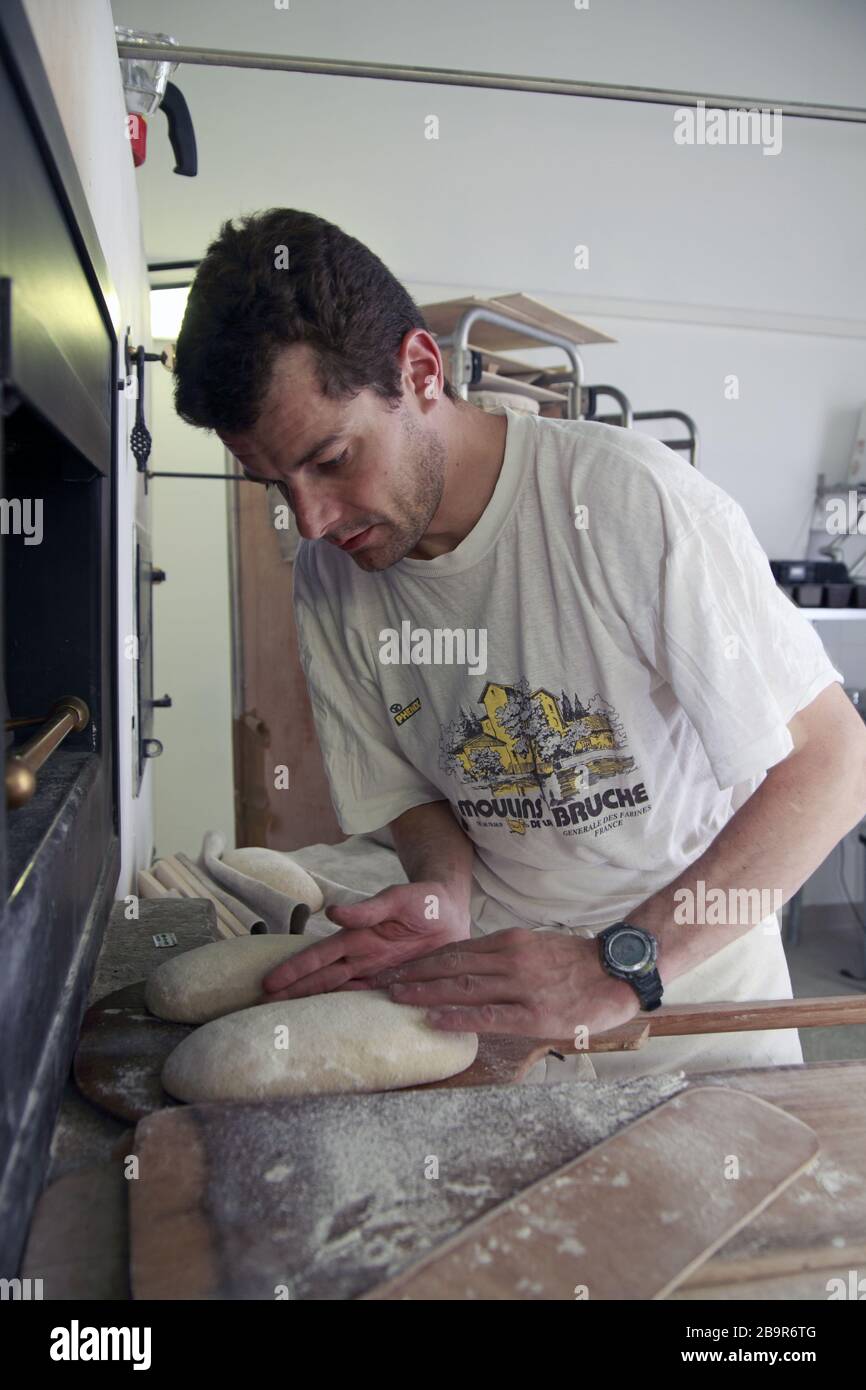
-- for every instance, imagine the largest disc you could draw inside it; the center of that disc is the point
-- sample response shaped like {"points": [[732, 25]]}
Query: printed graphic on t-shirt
{"points": [[530, 759]]}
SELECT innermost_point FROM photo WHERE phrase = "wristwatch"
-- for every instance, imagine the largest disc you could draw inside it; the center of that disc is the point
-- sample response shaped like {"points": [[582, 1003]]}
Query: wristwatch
{"points": [[630, 953]]}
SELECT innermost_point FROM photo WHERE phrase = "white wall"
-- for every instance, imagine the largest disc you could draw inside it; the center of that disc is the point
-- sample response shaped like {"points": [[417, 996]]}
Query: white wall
{"points": [[193, 778], [78, 49], [704, 261]]}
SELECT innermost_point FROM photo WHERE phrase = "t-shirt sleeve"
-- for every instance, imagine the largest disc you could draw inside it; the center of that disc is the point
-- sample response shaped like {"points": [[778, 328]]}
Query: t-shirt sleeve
{"points": [[370, 781], [739, 656]]}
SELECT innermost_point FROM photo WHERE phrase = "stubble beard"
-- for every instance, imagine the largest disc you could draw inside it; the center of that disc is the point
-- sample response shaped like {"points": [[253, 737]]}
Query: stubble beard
{"points": [[415, 502]]}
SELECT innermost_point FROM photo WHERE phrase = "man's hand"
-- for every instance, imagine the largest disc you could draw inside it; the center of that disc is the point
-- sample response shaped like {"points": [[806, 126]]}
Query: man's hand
{"points": [[401, 922], [534, 984]]}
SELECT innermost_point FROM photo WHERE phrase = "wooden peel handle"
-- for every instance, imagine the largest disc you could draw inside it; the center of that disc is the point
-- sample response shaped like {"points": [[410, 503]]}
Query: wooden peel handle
{"points": [[723, 1017]]}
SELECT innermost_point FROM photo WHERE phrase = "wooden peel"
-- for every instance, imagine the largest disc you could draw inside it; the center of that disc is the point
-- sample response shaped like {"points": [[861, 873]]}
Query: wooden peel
{"points": [[299, 1231], [122, 1047], [629, 1219], [508, 1059], [725, 1017]]}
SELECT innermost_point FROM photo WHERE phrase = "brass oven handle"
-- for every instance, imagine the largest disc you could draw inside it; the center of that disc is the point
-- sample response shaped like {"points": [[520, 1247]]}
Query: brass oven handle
{"points": [[68, 715]]}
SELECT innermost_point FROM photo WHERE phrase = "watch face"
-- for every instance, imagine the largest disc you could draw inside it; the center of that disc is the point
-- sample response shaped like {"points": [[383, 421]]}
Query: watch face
{"points": [[628, 950]]}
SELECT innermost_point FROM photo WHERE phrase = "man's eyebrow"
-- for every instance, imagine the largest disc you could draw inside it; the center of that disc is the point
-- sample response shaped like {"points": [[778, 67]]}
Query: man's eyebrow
{"points": [[323, 444]]}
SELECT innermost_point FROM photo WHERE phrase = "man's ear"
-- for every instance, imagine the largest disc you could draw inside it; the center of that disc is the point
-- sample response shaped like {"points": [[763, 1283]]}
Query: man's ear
{"points": [[421, 360]]}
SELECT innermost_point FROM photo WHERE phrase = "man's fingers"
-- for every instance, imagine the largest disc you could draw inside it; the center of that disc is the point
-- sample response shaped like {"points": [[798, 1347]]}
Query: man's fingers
{"points": [[303, 963], [371, 911], [487, 1018], [457, 958], [332, 977], [457, 990]]}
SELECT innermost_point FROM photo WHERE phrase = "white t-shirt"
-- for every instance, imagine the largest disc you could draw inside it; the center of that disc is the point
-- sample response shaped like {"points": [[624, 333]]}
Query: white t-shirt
{"points": [[641, 667]]}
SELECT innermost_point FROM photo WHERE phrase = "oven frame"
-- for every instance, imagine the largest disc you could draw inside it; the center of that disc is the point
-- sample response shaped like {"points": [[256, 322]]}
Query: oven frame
{"points": [[50, 939]]}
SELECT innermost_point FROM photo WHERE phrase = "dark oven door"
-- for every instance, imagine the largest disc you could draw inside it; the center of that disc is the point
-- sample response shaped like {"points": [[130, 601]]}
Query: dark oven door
{"points": [[58, 817]]}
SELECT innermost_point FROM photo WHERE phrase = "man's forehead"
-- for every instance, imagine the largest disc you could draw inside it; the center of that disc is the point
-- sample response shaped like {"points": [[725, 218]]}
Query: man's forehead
{"points": [[294, 412], [289, 430]]}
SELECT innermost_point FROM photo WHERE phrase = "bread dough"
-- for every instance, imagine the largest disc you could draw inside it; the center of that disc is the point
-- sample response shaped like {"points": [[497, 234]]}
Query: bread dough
{"points": [[350, 1040], [278, 871], [217, 979]]}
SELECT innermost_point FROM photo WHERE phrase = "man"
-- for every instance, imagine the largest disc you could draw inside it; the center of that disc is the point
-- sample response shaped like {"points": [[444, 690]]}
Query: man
{"points": [[550, 656]]}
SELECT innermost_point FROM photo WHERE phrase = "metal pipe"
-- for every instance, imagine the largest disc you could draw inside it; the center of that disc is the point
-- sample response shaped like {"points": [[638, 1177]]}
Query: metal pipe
{"points": [[220, 477], [625, 415], [455, 77], [614, 392], [458, 341], [685, 419]]}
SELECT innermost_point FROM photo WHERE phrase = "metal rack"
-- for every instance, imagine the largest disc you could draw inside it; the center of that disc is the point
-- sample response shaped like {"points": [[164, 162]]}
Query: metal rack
{"points": [[579, 400]]}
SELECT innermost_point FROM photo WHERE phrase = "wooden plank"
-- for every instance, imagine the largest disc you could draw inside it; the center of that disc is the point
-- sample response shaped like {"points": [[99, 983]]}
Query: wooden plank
{"points": [[78, 1244], [276, 724], [325, 1196], [120, 1054], [353, 1193], [122, 1047], [631, 1218], [179, 1250], [441, 318], [820, 1222]]}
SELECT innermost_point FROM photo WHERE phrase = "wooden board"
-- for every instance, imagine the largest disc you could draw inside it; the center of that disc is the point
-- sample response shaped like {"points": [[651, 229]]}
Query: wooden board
{"points": [[120, 1054], [813, 1231], [122, 1047], [78, 1240], [441, 318], [326, 1196], [820, 1222], [630, 1219], [276, 711]]}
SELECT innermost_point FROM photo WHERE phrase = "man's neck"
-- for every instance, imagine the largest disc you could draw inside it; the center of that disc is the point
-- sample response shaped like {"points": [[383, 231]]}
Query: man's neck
{"points": [[475, 443]]}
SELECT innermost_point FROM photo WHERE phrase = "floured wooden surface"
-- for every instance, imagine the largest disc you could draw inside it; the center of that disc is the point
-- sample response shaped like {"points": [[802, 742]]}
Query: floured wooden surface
{"points": [[817, 1225], [327, 1196], [631, 1218], [121, 1053]]}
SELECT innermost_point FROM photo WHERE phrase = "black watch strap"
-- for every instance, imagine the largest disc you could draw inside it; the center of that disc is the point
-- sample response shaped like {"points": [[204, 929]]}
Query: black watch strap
{"points": [[649, 990]]}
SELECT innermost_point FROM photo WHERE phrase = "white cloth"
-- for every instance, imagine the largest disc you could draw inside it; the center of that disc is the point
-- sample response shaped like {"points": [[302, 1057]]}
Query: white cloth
{"points": [[640, 672]]}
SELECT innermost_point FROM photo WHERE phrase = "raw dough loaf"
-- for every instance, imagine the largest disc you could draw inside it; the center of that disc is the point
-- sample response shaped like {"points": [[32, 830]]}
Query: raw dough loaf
{"points": [[351, 1040], [277, 871], [217, 979]]}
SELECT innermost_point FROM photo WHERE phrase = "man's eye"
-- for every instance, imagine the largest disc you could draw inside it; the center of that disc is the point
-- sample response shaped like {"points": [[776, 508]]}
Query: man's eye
{"points": [[337, 462]]}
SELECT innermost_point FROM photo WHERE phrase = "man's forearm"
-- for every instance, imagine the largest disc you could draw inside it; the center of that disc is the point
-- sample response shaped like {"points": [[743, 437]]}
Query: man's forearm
{"points": [[431, 846], [801, 810]]}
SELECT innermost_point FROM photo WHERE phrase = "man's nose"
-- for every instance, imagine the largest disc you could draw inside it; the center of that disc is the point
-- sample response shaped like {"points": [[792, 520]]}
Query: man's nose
{"points": [[315, 516]]}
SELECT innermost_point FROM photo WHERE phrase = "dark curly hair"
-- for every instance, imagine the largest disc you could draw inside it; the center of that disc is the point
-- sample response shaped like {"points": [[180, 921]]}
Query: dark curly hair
{"points": [[243, 309]]}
